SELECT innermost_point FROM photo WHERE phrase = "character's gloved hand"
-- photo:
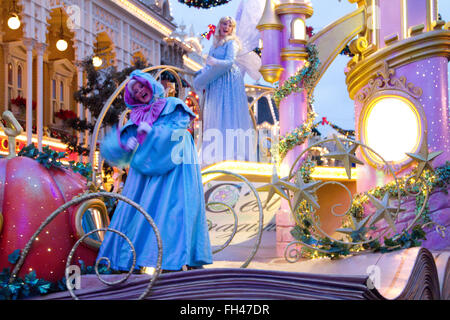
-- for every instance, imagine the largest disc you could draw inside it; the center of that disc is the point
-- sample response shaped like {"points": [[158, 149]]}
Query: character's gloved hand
{"points": [[131, 143], [144, 127]]}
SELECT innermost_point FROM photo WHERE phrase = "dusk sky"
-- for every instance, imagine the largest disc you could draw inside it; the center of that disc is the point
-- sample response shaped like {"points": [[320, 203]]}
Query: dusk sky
{"points": [[331, 97]]}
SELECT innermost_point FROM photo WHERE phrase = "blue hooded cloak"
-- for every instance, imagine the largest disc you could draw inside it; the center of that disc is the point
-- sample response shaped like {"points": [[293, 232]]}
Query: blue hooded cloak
{"points": [[165, 179]]}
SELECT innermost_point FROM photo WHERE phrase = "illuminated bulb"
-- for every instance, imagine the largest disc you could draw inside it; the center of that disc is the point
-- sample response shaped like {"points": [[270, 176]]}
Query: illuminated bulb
{"points": [[61, 45], [14, 22], [97, 61], [148, 270]]}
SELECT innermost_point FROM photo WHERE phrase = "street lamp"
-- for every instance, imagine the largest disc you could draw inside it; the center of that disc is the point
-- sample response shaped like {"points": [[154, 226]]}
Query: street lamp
{"points": [[13, 21], [96, 60], [61, 44]]}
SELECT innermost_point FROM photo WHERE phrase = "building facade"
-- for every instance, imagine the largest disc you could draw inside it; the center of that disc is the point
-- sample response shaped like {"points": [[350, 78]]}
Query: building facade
{"points": [[40, 73]]}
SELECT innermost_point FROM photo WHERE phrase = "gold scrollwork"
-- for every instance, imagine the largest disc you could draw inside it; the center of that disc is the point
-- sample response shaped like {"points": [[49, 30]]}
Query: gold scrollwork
{"points": [[359, 45], [397, 54], [385, 80], [1, 222]]}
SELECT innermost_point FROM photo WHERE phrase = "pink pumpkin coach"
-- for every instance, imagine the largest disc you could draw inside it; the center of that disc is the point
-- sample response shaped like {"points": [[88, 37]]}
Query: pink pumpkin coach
{"points": [[29, 193]]}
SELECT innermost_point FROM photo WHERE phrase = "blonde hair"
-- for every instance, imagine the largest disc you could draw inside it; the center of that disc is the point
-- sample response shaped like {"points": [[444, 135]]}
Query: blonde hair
{"points": [[219, 40]]}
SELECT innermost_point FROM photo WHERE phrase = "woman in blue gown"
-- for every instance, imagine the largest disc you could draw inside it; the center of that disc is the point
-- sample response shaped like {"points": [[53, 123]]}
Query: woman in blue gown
{"points": [[227, 127], [164, 178]]}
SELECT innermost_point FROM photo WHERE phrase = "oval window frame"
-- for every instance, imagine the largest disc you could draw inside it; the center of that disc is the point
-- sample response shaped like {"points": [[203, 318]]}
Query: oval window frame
{"points": [[417, 109]]}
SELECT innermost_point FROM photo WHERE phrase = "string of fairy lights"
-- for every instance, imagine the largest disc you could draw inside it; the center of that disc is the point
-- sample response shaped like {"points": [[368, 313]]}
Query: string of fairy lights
{"points": [[327, 248]]}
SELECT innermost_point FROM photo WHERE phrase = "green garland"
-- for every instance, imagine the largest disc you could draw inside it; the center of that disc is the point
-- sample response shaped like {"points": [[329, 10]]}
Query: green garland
{"points": [[30, 285], [305, 79], [304, 216], [294, 138], [51, 158]]}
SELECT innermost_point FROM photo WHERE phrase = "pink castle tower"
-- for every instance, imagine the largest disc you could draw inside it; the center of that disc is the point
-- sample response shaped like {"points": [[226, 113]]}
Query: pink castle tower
{"points": [[283, 32], [398, 80]]}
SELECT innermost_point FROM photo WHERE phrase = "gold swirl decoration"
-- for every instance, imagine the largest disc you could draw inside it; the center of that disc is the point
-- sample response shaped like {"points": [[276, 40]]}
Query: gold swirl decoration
{"points": [[92, 204], [359, 45]]}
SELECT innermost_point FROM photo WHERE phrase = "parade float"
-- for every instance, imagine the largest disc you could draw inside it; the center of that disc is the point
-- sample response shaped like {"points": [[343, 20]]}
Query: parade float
{"points": [[371, 226], [32, 184]]}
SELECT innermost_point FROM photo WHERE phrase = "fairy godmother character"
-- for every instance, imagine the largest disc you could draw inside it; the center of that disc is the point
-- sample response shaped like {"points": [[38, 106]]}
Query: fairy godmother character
{"points": [[164, 178]]}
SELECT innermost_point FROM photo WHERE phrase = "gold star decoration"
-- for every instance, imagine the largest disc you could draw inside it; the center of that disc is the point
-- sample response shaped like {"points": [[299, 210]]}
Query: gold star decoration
{"points": [[424, 157], [273, 187], [288, 185], [384, 211], [303, 191], [357, 227], [346, 155]]}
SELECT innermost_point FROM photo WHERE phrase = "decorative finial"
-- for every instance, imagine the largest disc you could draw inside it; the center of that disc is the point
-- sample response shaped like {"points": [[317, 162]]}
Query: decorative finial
{"points": [[12, 130], [269, 19]]}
